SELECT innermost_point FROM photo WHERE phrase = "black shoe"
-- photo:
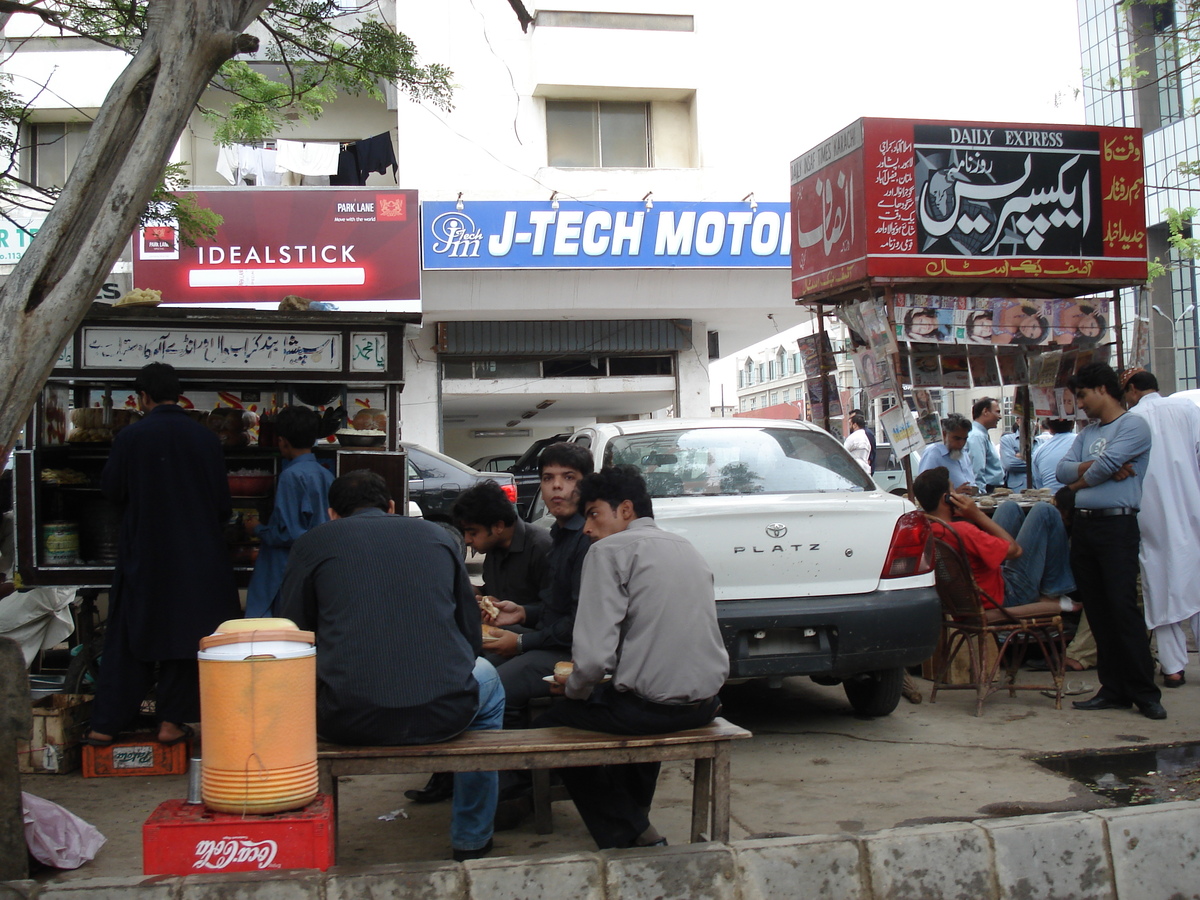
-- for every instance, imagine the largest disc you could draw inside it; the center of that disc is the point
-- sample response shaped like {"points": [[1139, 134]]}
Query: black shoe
{"points": [[1152, 710], [1174, 681], [1101, 702], [439, 787], [464, 855]]}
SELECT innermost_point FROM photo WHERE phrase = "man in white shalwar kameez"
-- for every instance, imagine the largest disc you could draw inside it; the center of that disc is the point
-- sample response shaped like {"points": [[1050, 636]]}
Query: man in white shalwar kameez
{"points": [[1169, 521]]}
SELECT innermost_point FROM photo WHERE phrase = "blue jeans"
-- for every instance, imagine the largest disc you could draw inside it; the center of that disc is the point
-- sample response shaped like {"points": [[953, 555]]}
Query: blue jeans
{"points": [[475, 793], [1044, 567]]}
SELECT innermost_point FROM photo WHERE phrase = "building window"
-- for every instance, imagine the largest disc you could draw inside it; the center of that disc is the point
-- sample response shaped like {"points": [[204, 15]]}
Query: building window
{"points": [[787, 394], [774, 397], [52, 150], [598, 134], [761, 370]]}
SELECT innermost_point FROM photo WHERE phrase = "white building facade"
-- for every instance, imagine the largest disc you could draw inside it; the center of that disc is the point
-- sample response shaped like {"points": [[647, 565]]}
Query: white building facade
{"points": [[598, 121]]}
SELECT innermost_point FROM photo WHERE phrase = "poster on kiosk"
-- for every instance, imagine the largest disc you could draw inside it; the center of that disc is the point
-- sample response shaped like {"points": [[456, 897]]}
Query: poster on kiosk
{"points": [[326, 244], [926, 204]]}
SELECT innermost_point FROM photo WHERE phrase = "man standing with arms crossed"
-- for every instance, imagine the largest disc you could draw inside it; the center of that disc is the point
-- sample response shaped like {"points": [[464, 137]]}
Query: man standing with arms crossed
{"points": [[1105, 467], [1169, 522]]}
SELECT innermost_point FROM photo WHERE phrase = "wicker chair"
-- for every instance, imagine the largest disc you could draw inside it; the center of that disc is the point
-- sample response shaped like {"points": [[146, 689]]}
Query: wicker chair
{"points": [[965, 624]]}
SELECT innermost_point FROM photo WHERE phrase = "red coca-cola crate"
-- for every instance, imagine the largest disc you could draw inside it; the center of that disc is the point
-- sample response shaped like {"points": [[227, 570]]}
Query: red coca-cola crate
{"points": [[183, 838], [135, 754]]}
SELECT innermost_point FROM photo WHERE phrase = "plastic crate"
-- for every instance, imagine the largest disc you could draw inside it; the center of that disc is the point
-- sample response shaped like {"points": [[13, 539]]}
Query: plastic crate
{"points": [[59, 723], [137, 754], [183, 838]]}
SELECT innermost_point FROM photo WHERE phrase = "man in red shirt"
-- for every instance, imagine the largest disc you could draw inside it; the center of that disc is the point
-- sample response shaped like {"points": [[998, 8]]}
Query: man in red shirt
{"points": [[1037, 575]]}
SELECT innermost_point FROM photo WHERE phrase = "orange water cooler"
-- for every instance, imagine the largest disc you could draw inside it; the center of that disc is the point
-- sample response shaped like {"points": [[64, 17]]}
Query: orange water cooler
{"points": [[258, 684]]}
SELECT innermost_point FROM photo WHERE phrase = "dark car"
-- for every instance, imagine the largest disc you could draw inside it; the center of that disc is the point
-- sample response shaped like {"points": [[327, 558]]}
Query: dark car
{"points": [[501, 462], [435, 481], [525, 471]]}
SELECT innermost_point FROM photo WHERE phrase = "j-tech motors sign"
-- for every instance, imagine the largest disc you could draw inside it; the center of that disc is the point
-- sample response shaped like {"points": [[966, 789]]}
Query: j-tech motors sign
{"points": [[337, 245], [629, 235]]}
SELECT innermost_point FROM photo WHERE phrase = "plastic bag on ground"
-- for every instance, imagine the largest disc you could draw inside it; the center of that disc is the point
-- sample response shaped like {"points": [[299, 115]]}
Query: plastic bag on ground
{"points": [[57, 837]]}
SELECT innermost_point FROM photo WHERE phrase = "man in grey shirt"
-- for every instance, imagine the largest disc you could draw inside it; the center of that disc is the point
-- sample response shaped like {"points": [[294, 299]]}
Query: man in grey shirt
{"points": [[1105, 467], [647, 616]]}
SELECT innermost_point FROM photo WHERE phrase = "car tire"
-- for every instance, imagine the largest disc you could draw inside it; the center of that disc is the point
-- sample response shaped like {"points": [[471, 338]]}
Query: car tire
{"points": [[875, 693]]}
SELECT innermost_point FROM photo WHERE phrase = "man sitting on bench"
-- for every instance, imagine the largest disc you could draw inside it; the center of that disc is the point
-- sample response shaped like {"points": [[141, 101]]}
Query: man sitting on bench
{"points": [[647, 617], [398, 639]]}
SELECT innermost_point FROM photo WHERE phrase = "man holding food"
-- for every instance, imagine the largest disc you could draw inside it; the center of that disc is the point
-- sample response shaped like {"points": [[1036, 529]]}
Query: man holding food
{"points": [[514, 570], [534, 636], [398, 640], [648, 655]]}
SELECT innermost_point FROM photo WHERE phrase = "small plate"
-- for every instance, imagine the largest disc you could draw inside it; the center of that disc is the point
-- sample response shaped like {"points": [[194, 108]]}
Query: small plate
{"points": [[549, 679], [490, 640]]}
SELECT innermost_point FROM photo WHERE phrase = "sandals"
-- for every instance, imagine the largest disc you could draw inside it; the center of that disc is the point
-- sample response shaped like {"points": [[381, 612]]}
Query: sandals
{"points": [[1174, 681], [99, 742], [187, 734]]}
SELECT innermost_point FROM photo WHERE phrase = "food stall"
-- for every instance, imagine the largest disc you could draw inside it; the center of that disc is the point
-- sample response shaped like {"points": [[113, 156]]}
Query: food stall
{"points": [[970, 255], [236, 367]]}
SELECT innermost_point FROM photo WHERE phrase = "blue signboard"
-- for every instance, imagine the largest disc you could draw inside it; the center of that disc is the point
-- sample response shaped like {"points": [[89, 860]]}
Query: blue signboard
{"points": [[498, 234]]}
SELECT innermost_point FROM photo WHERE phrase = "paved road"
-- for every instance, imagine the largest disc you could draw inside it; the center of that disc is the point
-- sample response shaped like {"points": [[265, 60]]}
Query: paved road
{"points": [[812, 768]]}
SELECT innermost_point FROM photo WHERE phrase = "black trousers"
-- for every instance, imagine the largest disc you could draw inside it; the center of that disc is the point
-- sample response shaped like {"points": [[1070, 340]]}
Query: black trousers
{"points": [[125, 680], [614, 801], [1104, 558]]}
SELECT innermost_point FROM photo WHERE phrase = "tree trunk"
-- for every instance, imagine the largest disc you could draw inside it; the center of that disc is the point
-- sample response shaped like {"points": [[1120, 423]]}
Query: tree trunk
{"points": [[122, 160]]}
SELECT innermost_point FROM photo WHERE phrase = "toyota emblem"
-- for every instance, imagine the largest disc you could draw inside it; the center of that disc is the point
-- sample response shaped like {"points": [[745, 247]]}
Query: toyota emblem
{"points": [[776, 530]]}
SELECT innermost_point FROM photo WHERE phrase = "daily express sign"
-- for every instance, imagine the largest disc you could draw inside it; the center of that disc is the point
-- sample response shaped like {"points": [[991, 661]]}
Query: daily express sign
{"points": [[533, 235]]}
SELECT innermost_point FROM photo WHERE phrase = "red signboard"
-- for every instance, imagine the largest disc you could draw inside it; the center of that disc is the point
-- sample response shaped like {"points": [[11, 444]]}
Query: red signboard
{"points": [[338, 245], [1054, 209]]}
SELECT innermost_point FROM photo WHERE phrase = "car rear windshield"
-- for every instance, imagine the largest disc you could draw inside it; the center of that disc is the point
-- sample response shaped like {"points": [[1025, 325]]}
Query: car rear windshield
{"points": [[730, 461]]}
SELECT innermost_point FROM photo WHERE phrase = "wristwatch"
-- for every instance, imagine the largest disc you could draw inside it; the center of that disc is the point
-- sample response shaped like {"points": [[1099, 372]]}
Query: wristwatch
{"points": [[520, 649]]}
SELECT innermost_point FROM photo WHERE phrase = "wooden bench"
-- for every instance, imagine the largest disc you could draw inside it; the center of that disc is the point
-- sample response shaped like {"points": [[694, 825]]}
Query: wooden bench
{"points": [[542, 749]]}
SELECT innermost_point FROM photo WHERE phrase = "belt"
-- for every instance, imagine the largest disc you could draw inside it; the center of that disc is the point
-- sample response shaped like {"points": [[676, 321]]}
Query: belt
{"points": [[651, 704], [1113, 511]]}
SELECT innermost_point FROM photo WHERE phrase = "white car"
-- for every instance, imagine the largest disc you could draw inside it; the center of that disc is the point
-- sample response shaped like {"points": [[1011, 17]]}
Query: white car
{"points": [[818, 571]]}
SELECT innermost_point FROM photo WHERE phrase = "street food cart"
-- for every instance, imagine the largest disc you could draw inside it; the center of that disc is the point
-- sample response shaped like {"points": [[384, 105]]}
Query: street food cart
{"points": [[236, 368], [969, 254]]}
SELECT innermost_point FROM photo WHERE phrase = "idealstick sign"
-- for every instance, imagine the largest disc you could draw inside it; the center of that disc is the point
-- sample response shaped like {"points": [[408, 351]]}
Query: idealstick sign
{"points": [[336, 245]]}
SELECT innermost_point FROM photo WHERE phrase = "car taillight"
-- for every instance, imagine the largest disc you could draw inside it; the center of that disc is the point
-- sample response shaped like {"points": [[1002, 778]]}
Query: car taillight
{"points": [[911, 552], [510, 491]]}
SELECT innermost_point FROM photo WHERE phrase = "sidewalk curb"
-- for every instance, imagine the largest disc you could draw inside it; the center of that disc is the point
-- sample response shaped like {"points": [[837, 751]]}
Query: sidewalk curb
{"points": [[1135, 853]]}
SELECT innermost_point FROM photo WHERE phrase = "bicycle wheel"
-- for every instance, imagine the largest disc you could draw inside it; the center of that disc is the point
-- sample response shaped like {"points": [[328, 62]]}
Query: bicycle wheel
{"points": [[84, 670]]}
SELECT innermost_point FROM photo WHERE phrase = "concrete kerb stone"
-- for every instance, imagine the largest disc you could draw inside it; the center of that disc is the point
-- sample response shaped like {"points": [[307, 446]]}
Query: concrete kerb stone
{"points": [[412, 881], [687, 872], [283, 884], [930, 862], [145, 887], [1136, 853], [1154, 850], [576, 875], [824, 866], [1056, 856]]}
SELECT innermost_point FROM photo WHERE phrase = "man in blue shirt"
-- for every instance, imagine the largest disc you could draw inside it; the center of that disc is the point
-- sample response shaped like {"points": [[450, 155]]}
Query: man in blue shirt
{"points": [[985, 461], [1015, 469], [1047, 453], [951, 452], [1105, 467], [301, 504]]}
